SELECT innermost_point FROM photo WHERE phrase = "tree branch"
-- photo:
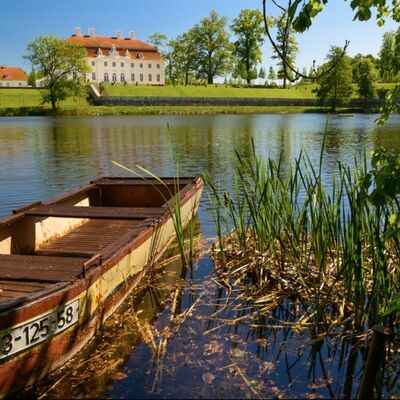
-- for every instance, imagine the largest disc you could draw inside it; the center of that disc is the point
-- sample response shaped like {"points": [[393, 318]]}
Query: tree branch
{"points": [[282, 54]]}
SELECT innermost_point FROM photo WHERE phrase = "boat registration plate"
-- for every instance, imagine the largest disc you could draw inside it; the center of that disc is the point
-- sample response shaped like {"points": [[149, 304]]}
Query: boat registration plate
{"points": [[30, 334]]}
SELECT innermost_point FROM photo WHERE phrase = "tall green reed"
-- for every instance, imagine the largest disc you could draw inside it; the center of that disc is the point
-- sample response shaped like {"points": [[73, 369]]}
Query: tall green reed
{"points": [[332, 242]]}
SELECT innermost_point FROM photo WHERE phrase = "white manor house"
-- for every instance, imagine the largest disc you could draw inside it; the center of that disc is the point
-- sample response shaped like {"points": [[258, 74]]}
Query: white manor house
{"points": [[118, 59]]}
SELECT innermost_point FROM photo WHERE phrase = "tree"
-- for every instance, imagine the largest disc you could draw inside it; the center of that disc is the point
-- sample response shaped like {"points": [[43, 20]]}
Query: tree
{"points": [[262, 74], [366, 79], [184, 56], [335, 87], [305, 81], [165, 48], [287, 46], [387, 57], [63, 66], [213, 49], [160, 42], [301, 13], [396, 61], [247, 48], [271, 75], [32, 79]]}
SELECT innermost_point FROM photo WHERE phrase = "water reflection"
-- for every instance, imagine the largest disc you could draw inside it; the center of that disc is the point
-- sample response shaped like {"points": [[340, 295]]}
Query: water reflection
{"points": [[42, 157]]}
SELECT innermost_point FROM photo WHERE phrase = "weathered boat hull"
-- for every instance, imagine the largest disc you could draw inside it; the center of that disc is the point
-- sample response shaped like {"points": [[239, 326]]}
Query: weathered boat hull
{"points": [[66, 318]]}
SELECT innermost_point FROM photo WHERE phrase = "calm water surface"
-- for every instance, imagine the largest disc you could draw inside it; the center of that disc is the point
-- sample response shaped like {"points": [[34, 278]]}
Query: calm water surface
{"points": [[43, 157]]}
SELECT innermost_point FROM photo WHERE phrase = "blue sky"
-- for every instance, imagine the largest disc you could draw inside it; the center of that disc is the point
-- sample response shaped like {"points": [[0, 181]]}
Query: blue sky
{"points": [[21, 24]]}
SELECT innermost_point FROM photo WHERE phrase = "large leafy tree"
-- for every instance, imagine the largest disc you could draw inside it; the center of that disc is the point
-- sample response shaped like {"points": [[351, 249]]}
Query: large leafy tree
{"points": [[366, 79], [184, 56], [160, 41], [247, 47], [387, 62], [335, 82], [165, 48], [286, 45], [213, 49], [63, 66]]}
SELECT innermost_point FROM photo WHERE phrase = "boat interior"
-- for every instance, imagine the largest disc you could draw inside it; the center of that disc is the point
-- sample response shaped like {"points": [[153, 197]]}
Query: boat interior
{"points": [[46, 245]]}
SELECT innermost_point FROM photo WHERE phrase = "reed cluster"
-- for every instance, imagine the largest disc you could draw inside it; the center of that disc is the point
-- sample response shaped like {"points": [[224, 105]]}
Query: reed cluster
{"points": [[332, 247]]}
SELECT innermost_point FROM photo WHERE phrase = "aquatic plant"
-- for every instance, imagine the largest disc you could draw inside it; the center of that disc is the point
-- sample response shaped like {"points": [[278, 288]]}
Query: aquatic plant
{"points": [[334, 248]]}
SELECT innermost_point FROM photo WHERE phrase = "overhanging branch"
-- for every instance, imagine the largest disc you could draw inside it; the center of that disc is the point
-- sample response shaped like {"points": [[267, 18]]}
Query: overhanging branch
{"points": [[282, 54]]}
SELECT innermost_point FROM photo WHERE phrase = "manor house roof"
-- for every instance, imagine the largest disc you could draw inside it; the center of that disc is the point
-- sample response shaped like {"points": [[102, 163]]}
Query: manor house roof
{"points": [[12, 74], [125, 47]]}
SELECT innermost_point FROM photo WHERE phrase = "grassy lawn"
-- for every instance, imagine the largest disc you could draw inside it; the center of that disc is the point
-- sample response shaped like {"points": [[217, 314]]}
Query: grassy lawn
{"points": [[297, 92], [21, 101], [293, 92], [31, 98]]}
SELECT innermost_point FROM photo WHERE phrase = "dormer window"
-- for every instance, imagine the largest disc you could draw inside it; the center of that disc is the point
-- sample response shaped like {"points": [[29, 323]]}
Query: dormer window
{"points": [[127, 54], [113, 52], [139, 55], [99, 52]]}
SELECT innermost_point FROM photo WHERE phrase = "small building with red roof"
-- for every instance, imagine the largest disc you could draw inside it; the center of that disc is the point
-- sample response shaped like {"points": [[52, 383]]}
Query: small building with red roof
{"points": [[12, 77], [120, 59]]}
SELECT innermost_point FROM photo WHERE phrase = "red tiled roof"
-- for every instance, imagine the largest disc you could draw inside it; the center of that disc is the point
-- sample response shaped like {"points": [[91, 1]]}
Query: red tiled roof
{"points": [[105, 43], [12, 74], [147, 55]]}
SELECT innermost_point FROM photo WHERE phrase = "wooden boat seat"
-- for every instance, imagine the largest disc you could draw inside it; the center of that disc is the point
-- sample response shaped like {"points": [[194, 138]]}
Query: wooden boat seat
{"points": [[97, 236], [40, 269], [120, 213]]}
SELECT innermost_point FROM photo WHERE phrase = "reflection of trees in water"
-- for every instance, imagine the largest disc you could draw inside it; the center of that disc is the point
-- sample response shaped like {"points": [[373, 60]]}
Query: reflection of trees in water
{"points": [[387, 136]]}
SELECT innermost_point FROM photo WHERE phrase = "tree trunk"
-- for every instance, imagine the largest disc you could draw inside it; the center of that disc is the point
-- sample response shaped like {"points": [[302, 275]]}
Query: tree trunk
{"points": [[210, 79], [53, 106]]}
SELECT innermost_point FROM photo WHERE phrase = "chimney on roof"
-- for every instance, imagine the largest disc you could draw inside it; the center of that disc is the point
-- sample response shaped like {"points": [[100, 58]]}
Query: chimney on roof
{"points": [[118, 33], [78, 31], [132, 35], [92, 32]]}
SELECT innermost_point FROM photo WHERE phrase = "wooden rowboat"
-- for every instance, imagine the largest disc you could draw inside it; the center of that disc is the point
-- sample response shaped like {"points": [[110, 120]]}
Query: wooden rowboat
{"points": [[68, 263]]}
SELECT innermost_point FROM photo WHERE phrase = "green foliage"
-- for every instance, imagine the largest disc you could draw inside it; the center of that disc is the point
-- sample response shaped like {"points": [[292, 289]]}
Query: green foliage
{"points": [[160, 41], [366, 78], [184, 58], [63, 66], [329, 246], [386, 175], [387, 61], [247, 48], [262, 74], [390, 105], [32, 79], [213, 49], [335, 84], [302, 12], [271, 75], [287, 46]]}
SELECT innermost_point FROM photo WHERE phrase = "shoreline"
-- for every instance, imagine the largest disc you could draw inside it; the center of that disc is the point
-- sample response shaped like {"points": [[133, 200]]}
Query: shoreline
{"points": [[170, 110]]}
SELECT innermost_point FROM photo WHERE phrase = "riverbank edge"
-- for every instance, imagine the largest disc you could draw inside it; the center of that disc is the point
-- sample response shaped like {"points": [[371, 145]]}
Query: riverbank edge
{"points": [[167, 110]]}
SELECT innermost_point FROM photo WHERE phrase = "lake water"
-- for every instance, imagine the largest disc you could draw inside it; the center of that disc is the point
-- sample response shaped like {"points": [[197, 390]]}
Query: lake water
{"points": [[41, 157]]}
